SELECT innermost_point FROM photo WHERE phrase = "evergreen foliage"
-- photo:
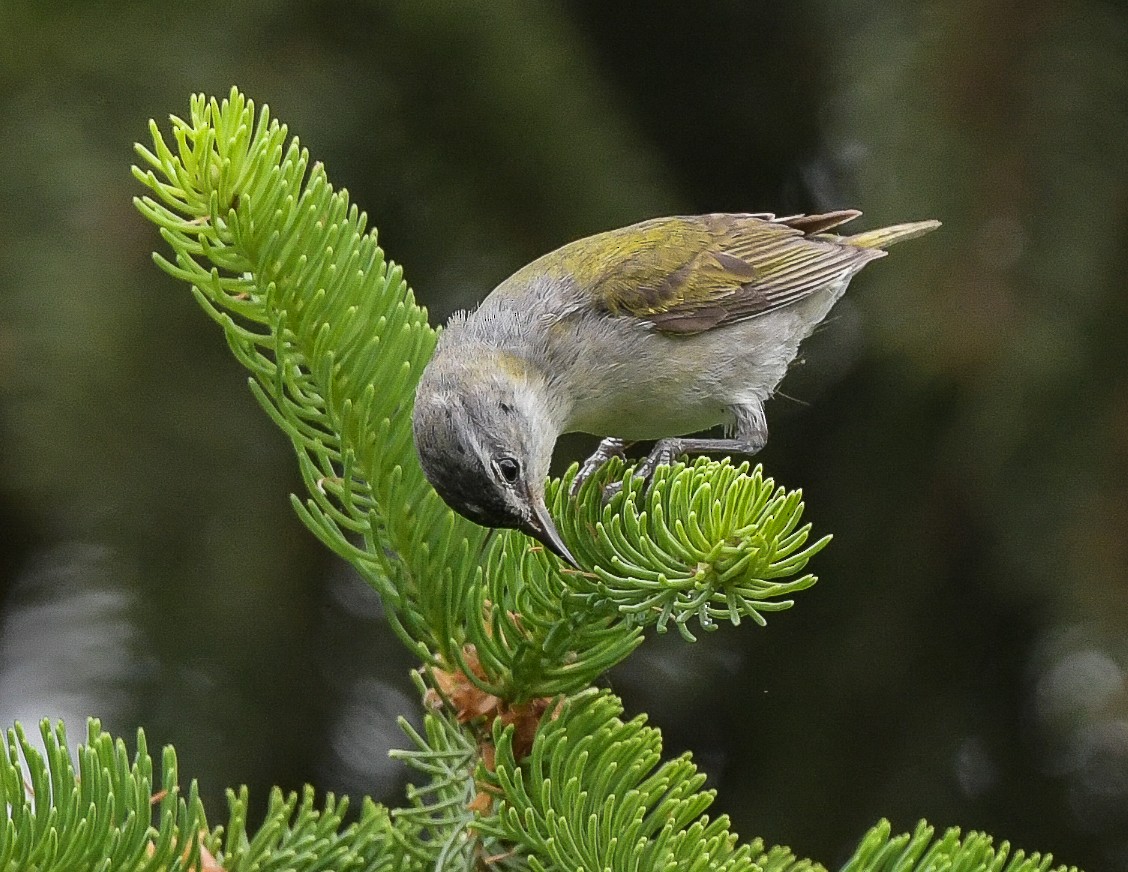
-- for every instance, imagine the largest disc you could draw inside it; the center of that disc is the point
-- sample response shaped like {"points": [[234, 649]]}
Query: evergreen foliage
{"points": [[880, 851], [335, 343], [594, 794], [523, 765], [98, 811], [95, 813]]}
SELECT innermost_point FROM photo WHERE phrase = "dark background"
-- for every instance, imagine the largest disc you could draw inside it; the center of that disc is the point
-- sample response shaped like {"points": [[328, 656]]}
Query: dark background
{"points": [[961, 425]]}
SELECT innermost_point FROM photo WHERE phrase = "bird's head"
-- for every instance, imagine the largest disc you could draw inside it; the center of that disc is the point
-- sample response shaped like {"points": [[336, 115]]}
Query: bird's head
{"points": [[485, 436]]}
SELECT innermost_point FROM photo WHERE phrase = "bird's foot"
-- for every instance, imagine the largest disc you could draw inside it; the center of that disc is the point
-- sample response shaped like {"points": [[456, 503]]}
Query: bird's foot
{"points": [[663, 453], [666, 451], [608, 448]]}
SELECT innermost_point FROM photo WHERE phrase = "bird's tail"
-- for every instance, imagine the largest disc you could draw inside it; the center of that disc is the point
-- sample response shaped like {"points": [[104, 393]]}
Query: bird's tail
{"points": [[883, 237]]}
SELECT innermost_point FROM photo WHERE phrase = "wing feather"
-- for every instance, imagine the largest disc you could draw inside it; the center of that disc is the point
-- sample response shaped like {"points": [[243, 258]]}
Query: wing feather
{"points": [[689, 275]]}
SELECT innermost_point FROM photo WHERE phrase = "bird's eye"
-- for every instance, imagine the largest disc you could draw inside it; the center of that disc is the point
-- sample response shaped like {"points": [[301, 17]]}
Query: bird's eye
{"points": [[509, 468]]}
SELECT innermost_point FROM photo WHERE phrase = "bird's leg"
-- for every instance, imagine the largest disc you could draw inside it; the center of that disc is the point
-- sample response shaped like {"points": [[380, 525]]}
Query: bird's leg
{"points": [[750, 434], [609, 447]]}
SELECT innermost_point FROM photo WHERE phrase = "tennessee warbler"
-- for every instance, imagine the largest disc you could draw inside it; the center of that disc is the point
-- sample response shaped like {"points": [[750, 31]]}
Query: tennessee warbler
{"points": [[654, 331]]}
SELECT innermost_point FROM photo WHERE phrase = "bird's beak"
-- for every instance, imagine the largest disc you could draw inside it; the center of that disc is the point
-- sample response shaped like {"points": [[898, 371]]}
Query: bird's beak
{"points": [[542, 528]]}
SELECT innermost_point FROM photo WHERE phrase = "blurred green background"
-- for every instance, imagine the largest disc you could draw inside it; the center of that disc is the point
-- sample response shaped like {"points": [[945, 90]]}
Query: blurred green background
{"points": [[961, 425]]}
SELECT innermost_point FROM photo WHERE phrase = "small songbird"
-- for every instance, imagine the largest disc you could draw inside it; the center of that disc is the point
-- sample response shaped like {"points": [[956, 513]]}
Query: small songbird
{"points": [[653, 331]]}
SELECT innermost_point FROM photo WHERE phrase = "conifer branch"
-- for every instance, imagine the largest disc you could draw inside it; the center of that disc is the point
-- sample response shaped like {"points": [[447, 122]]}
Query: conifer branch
{"points": [[880, 851], [335, 344], [64, 815], [594, 794], [98, 811], [591, 793], [528, 768]]}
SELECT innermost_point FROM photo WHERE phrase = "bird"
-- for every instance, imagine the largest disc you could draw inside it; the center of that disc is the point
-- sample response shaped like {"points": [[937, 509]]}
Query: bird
{"points": [[655, 331]]}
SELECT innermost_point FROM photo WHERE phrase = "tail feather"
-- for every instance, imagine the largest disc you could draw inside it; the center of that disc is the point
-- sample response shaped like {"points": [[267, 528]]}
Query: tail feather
{"points": [[810, 224], [886, 236]]}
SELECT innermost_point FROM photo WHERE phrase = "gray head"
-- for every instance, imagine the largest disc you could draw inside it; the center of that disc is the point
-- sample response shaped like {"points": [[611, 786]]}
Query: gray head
{"points": [[485, 436]]}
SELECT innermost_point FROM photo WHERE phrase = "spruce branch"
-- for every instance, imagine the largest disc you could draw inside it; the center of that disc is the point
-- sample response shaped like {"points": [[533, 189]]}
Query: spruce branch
{"points": [[524, 768], [593, 794], [98, 811], [327, 328], [335, 343], [711, 541], [297, 835], [590, 794], [880, 851], [438, 826], [96, 814]]}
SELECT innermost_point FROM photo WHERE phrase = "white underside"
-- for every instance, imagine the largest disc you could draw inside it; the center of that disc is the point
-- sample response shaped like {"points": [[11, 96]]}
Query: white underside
{"points": [[638, 384]]}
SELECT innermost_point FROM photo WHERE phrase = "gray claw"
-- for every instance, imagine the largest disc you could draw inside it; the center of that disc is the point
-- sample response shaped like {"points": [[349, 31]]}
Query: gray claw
{"points": [[608, 448], [610, 491]]}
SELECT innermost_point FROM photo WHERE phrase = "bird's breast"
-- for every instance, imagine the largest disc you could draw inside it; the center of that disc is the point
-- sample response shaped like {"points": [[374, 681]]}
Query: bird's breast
{"points": [[619, 377], [630, 382]]}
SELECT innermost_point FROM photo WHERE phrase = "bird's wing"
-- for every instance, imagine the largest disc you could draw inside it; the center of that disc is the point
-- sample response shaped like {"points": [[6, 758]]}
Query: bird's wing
{"points": [[689, 275]]}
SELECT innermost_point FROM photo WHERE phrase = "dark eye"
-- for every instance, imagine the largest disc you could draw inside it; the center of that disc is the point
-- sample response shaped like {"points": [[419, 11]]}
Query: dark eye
{"points": [[509, 468]]}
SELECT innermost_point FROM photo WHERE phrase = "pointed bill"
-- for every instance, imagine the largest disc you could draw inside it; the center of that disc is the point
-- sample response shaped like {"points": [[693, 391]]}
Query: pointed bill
{"points": [[542, 528]]}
